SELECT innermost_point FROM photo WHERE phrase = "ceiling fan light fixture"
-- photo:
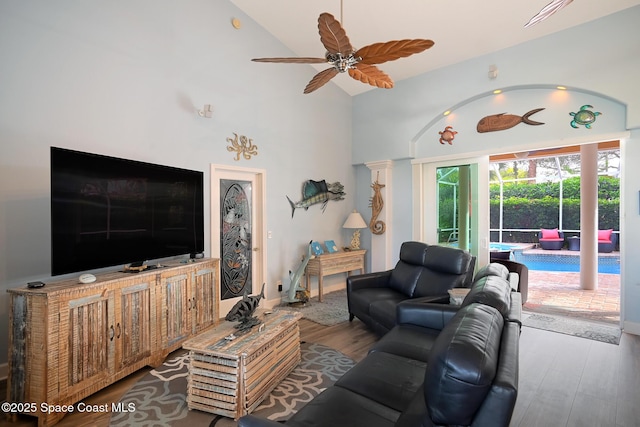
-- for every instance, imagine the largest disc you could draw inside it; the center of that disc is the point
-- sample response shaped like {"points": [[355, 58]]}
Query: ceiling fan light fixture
{"points": [[360, 64]]}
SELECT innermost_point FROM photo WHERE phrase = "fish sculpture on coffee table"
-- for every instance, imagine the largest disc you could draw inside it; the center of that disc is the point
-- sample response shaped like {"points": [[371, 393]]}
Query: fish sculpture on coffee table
{"points": [[505, 121], [243, 311]]}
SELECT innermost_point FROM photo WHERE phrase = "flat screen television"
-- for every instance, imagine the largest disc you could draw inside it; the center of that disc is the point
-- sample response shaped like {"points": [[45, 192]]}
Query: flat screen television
{"points": [[107, 211]]}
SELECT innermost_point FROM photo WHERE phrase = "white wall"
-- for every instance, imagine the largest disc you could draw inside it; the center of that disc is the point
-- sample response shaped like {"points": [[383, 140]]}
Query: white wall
{"points": [[125, 79], [598, 61]]}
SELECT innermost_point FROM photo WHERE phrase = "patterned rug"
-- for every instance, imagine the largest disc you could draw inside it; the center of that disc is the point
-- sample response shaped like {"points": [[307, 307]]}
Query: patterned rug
{"points": [[579, 328], [160, 396], [331, 311]]}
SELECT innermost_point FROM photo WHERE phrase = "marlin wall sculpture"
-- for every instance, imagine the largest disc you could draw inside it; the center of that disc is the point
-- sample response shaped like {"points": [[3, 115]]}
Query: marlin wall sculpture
{"points": [[314, 192]]}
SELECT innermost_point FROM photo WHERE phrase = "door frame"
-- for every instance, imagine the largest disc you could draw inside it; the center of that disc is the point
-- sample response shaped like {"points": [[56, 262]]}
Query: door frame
{"points": [[259, 236]]}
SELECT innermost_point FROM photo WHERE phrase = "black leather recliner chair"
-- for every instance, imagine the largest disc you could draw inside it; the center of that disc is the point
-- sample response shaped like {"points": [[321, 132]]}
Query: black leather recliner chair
{"points": [[424, 273]]}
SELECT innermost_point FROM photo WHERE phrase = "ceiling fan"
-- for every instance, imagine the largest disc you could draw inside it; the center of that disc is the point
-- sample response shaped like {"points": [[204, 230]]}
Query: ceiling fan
{"points": [[358, 63], [547, 11]]}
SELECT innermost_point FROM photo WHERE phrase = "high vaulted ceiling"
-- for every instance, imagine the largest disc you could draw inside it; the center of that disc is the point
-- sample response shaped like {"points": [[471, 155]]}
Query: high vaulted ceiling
{"points": [[461, 29]]}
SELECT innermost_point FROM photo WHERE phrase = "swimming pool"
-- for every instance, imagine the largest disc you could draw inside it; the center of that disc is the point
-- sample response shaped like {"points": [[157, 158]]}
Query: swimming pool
{"points": [[508, 246], [564, 262]]}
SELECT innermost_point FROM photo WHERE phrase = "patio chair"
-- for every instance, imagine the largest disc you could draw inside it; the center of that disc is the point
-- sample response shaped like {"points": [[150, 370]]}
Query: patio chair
{"points": [[607, 240], [551, 239]]}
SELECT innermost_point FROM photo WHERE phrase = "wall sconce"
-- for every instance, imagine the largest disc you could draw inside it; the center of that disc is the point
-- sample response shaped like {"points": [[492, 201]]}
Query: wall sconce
{"points": [[206, 112], [355, 221]]}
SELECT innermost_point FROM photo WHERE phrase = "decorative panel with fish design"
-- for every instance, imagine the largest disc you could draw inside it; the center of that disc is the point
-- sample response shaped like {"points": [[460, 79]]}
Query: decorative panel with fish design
{"points": [[235, 238]]}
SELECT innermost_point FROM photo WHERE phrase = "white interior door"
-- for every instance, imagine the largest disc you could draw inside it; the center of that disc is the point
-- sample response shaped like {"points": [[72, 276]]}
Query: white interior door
{"points": [[238, 238]]}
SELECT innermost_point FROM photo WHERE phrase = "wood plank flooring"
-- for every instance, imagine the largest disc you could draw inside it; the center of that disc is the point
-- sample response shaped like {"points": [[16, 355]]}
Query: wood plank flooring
{"points": [[564, 380]]}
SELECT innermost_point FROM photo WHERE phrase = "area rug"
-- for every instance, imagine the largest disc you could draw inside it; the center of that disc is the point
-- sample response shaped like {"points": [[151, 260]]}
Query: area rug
{"points": [[159, 397], [331, 311], [569, 326]]}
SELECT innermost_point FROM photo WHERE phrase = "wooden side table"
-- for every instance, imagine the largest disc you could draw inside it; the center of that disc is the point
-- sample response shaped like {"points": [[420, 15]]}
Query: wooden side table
{"points": [[231, 377], [337, 262]]}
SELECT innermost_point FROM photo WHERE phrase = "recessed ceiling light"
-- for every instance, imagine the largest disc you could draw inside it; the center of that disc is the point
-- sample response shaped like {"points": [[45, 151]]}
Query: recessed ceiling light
{"points": [[497, 91], [446, 113], [561, 87], [235, 22]]}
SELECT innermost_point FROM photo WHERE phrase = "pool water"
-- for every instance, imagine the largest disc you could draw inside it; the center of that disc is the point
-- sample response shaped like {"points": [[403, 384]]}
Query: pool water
{"points": [[568, 263]]}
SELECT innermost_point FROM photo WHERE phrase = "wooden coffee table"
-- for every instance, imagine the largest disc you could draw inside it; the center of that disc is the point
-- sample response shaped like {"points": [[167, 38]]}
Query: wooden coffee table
{"points": [[231, 377]]}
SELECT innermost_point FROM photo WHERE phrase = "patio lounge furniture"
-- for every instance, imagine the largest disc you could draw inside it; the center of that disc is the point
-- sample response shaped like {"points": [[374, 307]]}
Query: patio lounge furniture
{"points": [[551, 239], [607, 240]]}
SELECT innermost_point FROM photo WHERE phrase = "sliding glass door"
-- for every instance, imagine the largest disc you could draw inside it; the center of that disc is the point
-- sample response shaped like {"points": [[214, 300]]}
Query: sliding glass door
{"points": [[451, 204]]}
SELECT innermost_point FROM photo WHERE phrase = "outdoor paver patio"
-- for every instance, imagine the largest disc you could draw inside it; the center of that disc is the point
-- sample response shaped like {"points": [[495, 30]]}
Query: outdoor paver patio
{"points": [[559, 293]]}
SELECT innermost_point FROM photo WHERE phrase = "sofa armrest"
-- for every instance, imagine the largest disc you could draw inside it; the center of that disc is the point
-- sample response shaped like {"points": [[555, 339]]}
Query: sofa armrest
{"points": [[253, 421], [515, 313], [425, 314], [369, 280]]}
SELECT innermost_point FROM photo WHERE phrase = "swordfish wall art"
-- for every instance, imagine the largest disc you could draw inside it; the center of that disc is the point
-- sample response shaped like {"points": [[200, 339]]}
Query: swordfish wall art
{"points": [[314, 192]]}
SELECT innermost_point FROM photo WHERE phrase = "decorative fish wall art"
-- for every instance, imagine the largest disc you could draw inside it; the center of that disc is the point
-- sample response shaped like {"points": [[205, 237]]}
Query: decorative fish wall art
{"points": [[505, 121], [314, 192]]}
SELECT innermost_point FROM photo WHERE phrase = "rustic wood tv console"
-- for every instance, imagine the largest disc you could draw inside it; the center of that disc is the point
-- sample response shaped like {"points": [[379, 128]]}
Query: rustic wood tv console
{"points": [[68, 340]]}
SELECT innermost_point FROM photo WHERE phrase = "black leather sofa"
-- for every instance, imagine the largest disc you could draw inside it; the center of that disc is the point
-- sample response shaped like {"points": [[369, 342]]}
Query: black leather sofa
{"points": [[522, 278], [441, 365], [425, 272]]}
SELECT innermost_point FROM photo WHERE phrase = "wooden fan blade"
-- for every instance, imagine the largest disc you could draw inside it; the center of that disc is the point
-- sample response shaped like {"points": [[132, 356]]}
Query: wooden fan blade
{"points": [[547, 11], [302, 60], [320, 79], [378, 53], [333, 36], [372, 75]]}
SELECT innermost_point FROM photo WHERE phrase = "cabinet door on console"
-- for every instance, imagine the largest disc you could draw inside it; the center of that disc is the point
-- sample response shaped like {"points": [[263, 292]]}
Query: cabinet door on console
{"points": [[135, 327], [86, 340], [205, 290], [176, 309]]}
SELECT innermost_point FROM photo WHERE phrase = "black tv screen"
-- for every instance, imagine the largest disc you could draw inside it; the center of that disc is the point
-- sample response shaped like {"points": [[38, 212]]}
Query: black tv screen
{"points": [[107, 211]]}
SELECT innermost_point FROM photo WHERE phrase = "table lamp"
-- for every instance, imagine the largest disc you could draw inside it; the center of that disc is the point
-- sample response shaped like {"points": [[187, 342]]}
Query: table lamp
{"points": [[355, 221]]}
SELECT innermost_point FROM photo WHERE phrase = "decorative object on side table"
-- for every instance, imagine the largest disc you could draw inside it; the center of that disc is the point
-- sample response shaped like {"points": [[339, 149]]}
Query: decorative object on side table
{"points": [[331, 246], [244, 147], [376, 203], [355, 221], [314, 192], [296, 293], [317, 249], [243, 311]]}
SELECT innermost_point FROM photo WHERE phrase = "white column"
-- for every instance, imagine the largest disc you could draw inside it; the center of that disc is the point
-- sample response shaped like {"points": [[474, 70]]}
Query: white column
{"points": [[381, 244], [464, 219], [589, 216]]}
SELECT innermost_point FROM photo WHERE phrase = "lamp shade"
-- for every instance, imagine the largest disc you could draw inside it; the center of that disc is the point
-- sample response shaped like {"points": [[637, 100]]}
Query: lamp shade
{"points": [[354, 220]]}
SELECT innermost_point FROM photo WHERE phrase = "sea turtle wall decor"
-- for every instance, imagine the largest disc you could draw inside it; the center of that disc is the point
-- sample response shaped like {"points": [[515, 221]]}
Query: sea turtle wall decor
{"points": [[584, 117], [447, 135]]}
